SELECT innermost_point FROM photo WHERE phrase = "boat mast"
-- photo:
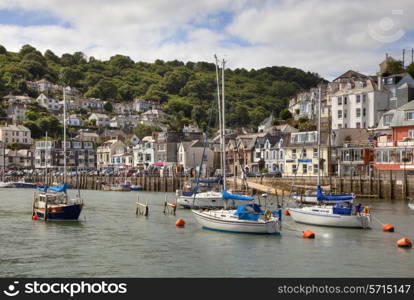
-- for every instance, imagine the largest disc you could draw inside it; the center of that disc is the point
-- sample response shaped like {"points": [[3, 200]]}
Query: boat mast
{"points": [[64, 135], [319, 135], [46, 155], [223, 126], [219, 111]]}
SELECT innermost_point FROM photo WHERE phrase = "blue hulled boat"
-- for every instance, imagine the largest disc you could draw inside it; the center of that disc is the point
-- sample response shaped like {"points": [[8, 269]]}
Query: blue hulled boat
{"points": [[54, 204]]}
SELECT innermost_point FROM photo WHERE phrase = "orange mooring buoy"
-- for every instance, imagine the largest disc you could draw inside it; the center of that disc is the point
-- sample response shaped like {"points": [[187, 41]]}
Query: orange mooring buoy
{"points": [[388, 227], [180, 223], [35, 218], [308, 234], [404, 242], [287, 212]]}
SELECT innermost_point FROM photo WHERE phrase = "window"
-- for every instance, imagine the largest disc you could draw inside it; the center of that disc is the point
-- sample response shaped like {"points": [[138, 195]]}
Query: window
{"points": [[294, 153], [304, 153], [410, 115], [345, 100], [411, 133], [345, 113], [358, 125], [339, 126], [364, 98], [358, 98], [387, 119], [363, 112], [339, 114], [315, 169], [305, 169], [315, 152], [345, 125], [294, 169], [339, 100]]}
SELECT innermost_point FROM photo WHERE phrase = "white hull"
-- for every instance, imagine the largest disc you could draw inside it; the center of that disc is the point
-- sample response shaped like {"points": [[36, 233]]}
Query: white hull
{"points": [[226, 221], [411, 205], [307, 216], [6, 184], [208, 200]]}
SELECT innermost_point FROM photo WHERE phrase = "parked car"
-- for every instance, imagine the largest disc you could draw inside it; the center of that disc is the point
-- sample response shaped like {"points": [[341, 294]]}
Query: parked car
{"points": [[254, 174], [273, 174]]}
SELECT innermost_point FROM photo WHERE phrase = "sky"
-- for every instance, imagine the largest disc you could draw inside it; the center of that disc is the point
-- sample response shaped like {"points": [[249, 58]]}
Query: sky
{"points": [[328, 37]]}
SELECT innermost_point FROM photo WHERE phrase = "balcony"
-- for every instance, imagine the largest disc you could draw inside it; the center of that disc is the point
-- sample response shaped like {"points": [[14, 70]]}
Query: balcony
{"points": [[405, 144]]}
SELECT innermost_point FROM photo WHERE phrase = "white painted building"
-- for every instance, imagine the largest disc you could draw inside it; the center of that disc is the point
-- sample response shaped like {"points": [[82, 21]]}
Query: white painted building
{"points": [[144, 153], [101, 120], [15, 133], [359, 105], [48, 102]]}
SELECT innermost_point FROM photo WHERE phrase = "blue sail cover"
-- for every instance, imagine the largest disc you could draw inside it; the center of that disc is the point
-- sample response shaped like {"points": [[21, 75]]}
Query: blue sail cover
{"points": [[207, 180], [42, 188], [339, 197], [59, 188], [229, 196], [245, 214]]}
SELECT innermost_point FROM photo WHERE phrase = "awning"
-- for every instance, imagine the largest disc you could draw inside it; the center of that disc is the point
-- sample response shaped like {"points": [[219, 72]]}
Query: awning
{"points": [[159, 163]]}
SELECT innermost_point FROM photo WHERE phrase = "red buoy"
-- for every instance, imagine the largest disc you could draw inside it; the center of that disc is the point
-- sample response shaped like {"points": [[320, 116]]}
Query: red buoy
{"points": [[388, 227], [404, 242], [180, 223], [35, 218], [308, 234], [287, 212]]}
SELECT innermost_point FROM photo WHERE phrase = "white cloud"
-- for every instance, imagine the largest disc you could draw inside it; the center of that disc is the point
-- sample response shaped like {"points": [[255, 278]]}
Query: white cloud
{"points": [[328, 37]]}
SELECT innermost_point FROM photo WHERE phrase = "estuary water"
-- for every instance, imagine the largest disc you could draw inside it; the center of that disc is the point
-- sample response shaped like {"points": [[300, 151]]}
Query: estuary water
{"points": [[111, 241]]}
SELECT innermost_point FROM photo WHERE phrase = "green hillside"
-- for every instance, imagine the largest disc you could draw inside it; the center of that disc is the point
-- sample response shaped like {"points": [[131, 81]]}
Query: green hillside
{"points": [[187, 90]]}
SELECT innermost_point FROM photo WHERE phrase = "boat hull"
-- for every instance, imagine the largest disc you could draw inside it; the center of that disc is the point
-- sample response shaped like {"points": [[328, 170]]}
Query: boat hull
{"points": [[331, 220], [7, 184], [411, 206], [210, 220], [69, 212]]}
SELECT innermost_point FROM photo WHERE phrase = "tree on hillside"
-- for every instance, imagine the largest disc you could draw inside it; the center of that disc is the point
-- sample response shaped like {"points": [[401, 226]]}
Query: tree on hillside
{"points": [[2, 50], [285, 114], [142, 130], [108, 106]]}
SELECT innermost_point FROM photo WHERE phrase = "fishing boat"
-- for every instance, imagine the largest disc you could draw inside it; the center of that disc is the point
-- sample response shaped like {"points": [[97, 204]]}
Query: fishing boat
{"points": [[53, 203], [342, 214], [248, 218]]}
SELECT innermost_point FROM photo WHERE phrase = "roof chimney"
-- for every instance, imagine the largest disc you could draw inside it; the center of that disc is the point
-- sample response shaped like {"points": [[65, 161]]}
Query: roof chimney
{"points": [[379, 79]]}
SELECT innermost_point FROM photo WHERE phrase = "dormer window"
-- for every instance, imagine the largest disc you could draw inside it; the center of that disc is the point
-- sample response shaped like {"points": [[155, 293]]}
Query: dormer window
{"points": [[387, 119], [410, 115]]}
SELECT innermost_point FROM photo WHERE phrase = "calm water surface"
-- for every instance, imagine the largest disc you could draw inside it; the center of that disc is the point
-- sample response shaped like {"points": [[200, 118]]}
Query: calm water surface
{"points": [[111, 241]]}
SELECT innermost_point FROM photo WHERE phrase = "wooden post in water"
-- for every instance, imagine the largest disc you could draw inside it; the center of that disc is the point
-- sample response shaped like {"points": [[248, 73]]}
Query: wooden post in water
{"points": [[391, 186]]}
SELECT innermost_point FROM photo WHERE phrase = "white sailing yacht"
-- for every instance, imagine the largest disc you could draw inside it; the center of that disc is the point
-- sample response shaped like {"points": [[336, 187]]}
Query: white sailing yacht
{"points": [[212, 196], [248, 217], [342, 214]]}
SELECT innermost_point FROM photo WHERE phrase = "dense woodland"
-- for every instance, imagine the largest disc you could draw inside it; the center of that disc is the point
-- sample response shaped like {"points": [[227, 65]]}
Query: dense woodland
{"points": [[187, 90]]}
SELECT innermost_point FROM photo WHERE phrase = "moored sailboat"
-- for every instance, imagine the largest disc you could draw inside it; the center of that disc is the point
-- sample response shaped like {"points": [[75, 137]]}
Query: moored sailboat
{"points": [[53, 203], [248, 217], [323, 214]]}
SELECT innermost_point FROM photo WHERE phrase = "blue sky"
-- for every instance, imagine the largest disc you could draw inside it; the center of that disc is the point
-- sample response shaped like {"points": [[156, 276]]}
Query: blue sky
{"points": [[327, 37]]}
